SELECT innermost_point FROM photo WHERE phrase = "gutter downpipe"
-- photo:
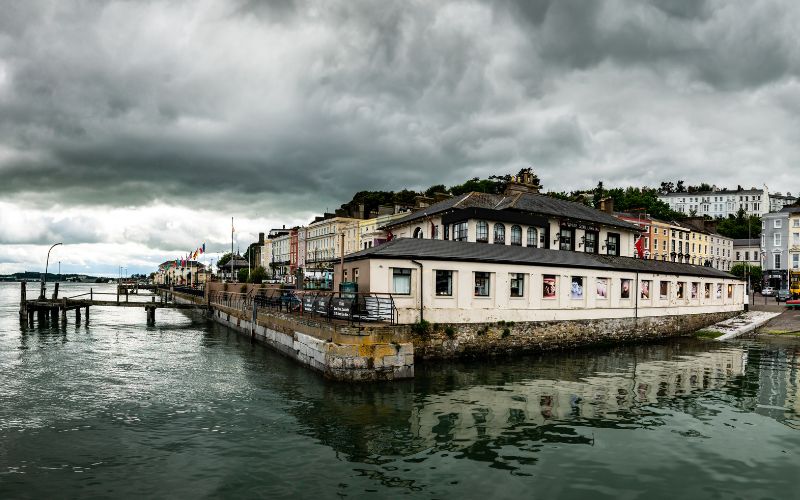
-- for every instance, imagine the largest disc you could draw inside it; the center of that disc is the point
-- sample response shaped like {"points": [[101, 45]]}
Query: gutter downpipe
{"points": [[420, 289], [637, 292]]}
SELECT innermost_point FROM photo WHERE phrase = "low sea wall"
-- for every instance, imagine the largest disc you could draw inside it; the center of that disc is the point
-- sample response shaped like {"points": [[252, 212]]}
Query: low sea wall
{"points": [[382, 352], [474, 340], [338, 351]]}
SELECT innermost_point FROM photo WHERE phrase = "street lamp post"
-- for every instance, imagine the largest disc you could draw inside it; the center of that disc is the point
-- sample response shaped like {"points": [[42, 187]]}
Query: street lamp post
{"points": [[46, 264]]}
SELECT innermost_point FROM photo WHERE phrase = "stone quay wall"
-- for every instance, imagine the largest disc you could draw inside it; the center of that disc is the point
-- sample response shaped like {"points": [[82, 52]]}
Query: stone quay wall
{"points": [[475, 340], [339, 351]]}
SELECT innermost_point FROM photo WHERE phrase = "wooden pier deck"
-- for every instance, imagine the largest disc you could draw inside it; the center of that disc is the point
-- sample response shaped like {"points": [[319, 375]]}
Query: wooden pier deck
{"points": [[54, 308]]}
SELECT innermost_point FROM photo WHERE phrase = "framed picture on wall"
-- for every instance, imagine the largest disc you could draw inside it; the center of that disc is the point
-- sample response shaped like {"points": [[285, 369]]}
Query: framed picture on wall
{"points": [[719, 290], [549, 286], [625, 291], [663, 290], [602, 288], [644, 289], [576, 289], [695, 289]]}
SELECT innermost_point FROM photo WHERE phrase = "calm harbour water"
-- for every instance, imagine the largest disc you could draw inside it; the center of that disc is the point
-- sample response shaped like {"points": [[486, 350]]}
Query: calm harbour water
{"points": [[187, 408]]}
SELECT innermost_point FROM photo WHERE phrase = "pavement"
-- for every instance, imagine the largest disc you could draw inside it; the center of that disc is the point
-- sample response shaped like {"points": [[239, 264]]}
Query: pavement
{"points": [[786, 322]]}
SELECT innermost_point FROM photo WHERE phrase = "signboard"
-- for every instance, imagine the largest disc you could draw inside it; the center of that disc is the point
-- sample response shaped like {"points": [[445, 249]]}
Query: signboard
{"points": [[579, 225], [341, 307], [321, 305], [308, 303]]}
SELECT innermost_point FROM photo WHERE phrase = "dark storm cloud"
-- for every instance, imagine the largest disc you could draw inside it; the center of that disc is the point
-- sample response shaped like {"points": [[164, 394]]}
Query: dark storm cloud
{"points": [[295, 105]]}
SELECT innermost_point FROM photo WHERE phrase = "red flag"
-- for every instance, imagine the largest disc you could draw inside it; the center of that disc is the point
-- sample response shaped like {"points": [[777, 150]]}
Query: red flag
{"points": [[640, 247]]}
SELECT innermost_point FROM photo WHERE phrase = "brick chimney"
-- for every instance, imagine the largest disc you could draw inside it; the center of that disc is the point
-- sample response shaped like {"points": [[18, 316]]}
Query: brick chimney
{"points": [[607, 205], [526, 182]]}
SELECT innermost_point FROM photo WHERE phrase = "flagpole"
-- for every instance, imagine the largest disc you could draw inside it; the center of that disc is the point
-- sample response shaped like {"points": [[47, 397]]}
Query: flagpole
{"points": [[231, 249]]}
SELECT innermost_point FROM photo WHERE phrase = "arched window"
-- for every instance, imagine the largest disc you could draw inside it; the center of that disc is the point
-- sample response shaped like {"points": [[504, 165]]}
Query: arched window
{"points": [[516, 235], [500, 234], [482, 232], [533, 237], [418, 233]]}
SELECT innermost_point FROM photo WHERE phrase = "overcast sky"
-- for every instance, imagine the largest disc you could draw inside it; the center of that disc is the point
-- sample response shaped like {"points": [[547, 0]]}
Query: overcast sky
{"points": [[133, 131]]}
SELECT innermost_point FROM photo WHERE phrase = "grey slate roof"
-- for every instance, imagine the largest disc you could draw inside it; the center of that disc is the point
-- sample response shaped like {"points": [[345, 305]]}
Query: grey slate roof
{"points": [[528, 202], [459, 251], [792, 209], [744, 242]]}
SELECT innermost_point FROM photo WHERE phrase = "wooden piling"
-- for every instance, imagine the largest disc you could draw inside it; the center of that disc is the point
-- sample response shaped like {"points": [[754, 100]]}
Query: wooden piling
{"points": [[55, 291], [23, 303], [54, 314], [87, 315], [77, 315], [64, 311]]}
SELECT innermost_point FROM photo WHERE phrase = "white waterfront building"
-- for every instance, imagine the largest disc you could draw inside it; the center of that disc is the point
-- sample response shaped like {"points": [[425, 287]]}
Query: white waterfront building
{"points": [[463, 282]]}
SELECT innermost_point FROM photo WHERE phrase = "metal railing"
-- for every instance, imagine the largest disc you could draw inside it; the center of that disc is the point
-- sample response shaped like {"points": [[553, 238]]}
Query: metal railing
{"points": [[322, 305]]}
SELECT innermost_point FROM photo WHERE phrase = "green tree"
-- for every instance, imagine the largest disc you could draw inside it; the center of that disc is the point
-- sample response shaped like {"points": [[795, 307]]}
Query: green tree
{"points": [[438, 188], [224, 259], [242, 275], [741, 270], [258, 275]]}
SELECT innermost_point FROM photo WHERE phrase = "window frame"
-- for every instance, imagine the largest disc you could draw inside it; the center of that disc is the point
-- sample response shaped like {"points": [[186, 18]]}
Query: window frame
{"points": [[520, 279], [401, 271], [482, 231], [499, 234], [436, 282], [482, 275]]}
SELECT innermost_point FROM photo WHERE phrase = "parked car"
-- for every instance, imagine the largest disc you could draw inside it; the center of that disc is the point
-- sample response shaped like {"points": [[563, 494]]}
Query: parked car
{"points": [[783, 296], [768, 291]]}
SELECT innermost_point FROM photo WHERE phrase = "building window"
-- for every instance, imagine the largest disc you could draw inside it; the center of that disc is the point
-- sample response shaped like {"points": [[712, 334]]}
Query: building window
{"points": [[482, 284], [435, 234], [446, 231], [418, 233], [777, 223], [499, 234], [590, 242], [777, 261], [516, 235], [444, 283], [533, 237], [663, 291], [401, 281], [565, 239], [517, 281], [482, 232], [795, 261], [612, 244], [777, 239], [355, 275], [460, 231]]}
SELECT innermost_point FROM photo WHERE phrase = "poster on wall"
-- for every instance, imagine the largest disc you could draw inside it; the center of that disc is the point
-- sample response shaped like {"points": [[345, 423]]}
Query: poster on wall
{"points": [[549, 286], [695, 286], [625, 292], [730, 291], [681, 286], [645, 290], [719, 290], [602, 288], [576, 290], [663, 291], [708, 291]]}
